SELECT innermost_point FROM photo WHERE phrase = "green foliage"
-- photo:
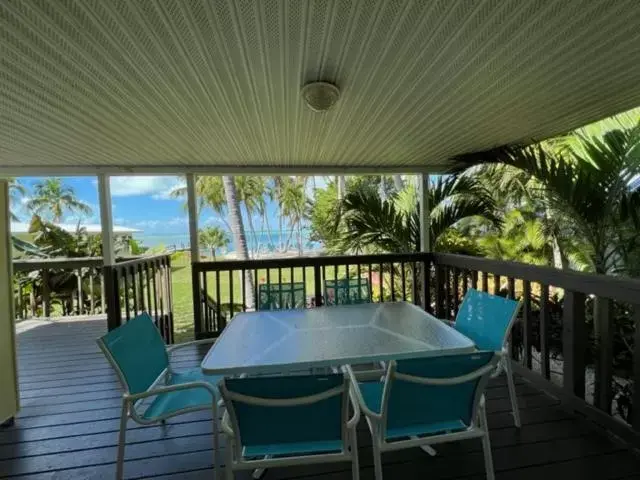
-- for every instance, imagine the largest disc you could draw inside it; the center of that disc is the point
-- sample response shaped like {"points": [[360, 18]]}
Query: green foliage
{"points": [[136, 247], [370, 223], [589, 186]]}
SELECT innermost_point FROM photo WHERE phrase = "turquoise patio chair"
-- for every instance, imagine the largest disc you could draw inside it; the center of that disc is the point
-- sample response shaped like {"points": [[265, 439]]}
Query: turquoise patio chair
{"points": [[426, 401], [282, 421], [347, 291], [153, 391], [281, 296], [487, 320]]}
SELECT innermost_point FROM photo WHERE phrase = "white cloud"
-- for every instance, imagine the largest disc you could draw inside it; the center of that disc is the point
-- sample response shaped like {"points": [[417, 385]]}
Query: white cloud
{"points": [[156, 186]]}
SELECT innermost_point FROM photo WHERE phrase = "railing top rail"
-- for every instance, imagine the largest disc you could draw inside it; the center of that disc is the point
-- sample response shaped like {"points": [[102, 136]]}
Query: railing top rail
{"points": [[607, 286], [308, 261], [27, 265], [142, 260]]}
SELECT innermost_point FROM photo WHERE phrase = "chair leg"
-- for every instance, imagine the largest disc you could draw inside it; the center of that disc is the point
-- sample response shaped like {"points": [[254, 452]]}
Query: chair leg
{"points": [[486, 446], [355, 462], [512, 392], [377, 460], [122, 438], [228, 470]]}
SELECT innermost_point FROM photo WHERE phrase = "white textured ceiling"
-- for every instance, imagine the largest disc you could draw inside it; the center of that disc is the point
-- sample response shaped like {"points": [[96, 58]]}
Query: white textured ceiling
{"points": [[214, 85]]}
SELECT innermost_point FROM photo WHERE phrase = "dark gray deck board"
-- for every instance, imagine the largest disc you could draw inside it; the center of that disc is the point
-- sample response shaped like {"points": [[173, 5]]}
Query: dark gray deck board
{"points": [[71, 405]]}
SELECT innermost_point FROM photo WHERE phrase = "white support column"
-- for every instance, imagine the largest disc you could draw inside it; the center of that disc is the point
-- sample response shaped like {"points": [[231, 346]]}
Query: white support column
{"points": [[425, 213], [192, 206], [9, 395], [106, 219]]}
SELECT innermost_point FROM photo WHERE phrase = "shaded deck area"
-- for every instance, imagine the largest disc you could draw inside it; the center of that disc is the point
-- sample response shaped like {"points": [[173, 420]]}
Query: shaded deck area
{"points": [[67, 428]]}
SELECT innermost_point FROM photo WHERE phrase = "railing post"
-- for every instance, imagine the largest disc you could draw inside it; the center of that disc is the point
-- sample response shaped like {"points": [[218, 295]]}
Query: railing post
{"points": [[197, 301], [440, 278], [426, 282], [527, 331], [573, 342], [545, 322], [112, 294], [317, 285], [635, 421], [604, 346], [170, 332], [46, 300]]}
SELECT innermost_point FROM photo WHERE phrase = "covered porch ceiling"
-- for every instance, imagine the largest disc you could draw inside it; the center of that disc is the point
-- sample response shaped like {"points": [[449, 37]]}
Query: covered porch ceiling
{"points": [[214, 86]]}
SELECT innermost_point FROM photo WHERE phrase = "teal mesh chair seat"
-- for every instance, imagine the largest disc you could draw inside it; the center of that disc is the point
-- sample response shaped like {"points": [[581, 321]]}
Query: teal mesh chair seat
{"points": [[281, 296], [153, 391], [487, 320], [347, 291], [286, 420], [428, 400]]}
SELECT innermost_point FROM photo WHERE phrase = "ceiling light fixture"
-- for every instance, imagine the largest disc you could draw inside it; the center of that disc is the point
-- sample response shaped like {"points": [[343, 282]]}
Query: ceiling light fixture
{"points": [[320, 96]]}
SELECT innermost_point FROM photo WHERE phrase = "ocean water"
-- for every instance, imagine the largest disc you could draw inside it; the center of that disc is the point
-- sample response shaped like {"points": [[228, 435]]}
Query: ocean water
{"points": [[262, 242]]}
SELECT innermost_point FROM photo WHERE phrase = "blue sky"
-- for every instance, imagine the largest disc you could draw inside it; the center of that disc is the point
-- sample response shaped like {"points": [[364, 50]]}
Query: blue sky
{"points": [[138, 202]]}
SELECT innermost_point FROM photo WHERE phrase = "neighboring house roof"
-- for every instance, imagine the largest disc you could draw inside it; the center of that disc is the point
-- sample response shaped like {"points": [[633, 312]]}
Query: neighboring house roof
{"points": [[90, 228], [148, 87]]}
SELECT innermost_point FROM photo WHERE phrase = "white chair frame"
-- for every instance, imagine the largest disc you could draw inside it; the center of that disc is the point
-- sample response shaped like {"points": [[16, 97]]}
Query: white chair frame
{"points": [[234, 458], [505, 365], [130, 402], [377, 421]]}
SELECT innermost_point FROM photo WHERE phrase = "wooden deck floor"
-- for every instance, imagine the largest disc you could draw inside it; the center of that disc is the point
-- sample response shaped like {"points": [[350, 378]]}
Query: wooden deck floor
{"points": [[67, 428]]}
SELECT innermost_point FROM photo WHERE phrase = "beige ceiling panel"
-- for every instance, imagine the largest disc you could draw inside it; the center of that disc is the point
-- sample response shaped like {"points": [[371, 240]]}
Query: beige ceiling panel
{"points": [[172, 85]]}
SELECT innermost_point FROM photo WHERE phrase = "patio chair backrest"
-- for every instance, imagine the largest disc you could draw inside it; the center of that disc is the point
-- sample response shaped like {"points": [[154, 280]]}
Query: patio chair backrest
{"points": [[282, 409], [347, 291], [411, 400], [279, 296], [137, 352], [486, 319]]}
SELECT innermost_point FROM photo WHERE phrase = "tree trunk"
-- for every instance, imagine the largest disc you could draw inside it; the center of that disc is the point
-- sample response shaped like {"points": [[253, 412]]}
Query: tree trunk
{"points": [[237, 229], [398, 183], [559, 259], [341, 187]]}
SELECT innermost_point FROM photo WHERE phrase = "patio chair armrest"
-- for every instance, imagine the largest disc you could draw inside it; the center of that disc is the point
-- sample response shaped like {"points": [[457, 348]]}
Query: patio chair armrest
{"points": [[173, 388], [177, 346], [226, 425], [358, 394], [355, 418]]}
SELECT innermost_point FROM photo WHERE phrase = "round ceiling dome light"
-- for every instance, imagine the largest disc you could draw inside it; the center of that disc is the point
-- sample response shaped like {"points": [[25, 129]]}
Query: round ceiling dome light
{"points": [[320, 96]]}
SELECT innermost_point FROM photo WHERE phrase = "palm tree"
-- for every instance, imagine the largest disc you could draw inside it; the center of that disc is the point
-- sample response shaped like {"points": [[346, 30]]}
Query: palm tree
{"points": [[294, 207], [213, 238], [251, 192], [16, 191], [53, 197], [393, 225], [590, 185], [237, 229]]}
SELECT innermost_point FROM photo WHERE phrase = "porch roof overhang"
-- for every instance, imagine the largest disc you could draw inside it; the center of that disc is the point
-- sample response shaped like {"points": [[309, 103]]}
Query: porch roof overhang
{"points": [[171, 86]]}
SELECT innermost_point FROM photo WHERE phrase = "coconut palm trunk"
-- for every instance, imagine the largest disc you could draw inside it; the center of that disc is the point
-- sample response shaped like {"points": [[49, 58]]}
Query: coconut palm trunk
{"points": [[239, 237]]}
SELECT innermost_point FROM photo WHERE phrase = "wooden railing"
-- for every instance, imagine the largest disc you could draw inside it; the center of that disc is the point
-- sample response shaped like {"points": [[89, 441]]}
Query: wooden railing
{"points": [[58, 286], [141, 285], [225, 287], [577, 335]]}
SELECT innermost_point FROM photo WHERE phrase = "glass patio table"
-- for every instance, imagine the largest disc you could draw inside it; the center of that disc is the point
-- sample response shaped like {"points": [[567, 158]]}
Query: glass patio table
{"points": [[294, 340]]}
